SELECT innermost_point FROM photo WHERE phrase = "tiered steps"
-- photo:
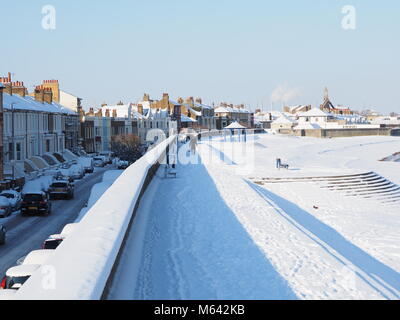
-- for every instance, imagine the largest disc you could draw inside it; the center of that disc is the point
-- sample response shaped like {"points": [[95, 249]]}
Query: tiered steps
{"points": [[367, 185]]}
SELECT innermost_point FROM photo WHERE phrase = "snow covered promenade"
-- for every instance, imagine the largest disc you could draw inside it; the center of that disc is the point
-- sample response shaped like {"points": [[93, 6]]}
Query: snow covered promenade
{"points": [[214, 234]]}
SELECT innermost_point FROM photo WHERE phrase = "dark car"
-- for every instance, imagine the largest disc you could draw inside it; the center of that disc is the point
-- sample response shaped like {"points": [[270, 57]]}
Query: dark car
{"points": [[61, 189], [35, 203], [2, 234], [52, 242]]}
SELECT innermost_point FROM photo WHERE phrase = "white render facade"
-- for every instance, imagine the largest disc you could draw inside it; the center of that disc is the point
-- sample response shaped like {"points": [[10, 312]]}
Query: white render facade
{"points": [[32, 128]]}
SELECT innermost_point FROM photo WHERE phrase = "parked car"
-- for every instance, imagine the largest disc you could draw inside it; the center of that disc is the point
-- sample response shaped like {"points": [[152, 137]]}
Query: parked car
{"points": [[99, 161], [61, 189], [35, 203], [69, 228], [35, 257], [2, 234], [87, 164], [122, 165], [107, 156], [77, 172], [53, 242], [14, 197], [16, 276], [5, 207]]}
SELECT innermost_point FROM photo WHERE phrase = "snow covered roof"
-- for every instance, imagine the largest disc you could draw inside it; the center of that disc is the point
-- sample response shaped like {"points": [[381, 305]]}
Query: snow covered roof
{"points": [[197, 113], [29, 103], [203, 106], [235, 125], [283, 119], [230, 110], [314, 112], [187, 119]]}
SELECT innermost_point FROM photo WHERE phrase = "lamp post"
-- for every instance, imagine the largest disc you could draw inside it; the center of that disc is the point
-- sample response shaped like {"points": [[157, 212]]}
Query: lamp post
{"points": [[12, 139]]}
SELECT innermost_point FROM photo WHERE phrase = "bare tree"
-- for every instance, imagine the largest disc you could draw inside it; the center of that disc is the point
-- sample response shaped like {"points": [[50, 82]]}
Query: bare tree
{"points": [[126, 147]]}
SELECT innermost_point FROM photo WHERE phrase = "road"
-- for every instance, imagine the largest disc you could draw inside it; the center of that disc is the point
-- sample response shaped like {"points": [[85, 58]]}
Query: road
{"points": [[25, 234]]}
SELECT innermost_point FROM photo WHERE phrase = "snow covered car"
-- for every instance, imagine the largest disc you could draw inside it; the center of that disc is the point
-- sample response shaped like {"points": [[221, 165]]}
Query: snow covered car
{"points": [[2, 234], [107, 156], [35, 203], [122, 165], [14, 197], [68, 229], [87, 164], [16, 276], [53, 242], [77, 172], [99, 161], [5, 207], [36, 257], [61, 189]]}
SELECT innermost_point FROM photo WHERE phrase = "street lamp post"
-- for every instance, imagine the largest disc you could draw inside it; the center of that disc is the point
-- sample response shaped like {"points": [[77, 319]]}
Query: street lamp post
{"points": [[13, 142]]}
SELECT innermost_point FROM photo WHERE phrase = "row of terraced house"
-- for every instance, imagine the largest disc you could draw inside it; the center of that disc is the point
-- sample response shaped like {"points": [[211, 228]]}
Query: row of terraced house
{"points": [[39, 126]]}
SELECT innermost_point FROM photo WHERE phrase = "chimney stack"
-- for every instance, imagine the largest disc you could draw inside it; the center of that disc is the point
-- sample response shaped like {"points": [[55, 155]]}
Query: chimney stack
{"points": [[54, 87], [39, 94], [146, 97], [190, 101], [140, 109], [199, 101], [107, 113], [48, 95], [114, 113]]}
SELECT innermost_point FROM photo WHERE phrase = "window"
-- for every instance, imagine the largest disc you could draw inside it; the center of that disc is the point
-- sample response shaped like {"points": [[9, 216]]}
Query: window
{"points": [[47, 145], [18, 145]]}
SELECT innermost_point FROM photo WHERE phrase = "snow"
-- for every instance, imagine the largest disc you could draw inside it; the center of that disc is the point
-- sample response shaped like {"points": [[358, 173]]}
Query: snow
{"points": [[213, 233], [84, 260], [314, 112], [229, 238], [38, 257], [29, 103], [193, 247], [345, 237], [38, 185], [235, 125], [283, 119]]}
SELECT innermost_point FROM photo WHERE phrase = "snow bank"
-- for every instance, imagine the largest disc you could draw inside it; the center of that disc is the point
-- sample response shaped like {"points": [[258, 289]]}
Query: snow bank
{"points": [[41, 184], [82, 264]]}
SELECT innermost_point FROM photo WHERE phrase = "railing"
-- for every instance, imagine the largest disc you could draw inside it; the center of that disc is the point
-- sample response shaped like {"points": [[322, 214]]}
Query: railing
{"points": [[83, 265]]}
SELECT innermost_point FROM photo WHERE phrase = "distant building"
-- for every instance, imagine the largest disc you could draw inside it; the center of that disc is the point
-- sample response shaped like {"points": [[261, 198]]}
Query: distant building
{"points": [[283, 123], [203, 115], [1, 132], [99, 127], [296, 109], [328, 107], [226, 114], [34, 126]]}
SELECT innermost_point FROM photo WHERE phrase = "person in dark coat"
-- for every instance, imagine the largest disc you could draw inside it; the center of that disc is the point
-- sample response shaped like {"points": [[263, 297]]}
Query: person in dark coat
{"points": [[278, 163]]}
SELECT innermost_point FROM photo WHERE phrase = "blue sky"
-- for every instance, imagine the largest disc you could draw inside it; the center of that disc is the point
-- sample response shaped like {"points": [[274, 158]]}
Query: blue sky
{"points": [[220, 50]]}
